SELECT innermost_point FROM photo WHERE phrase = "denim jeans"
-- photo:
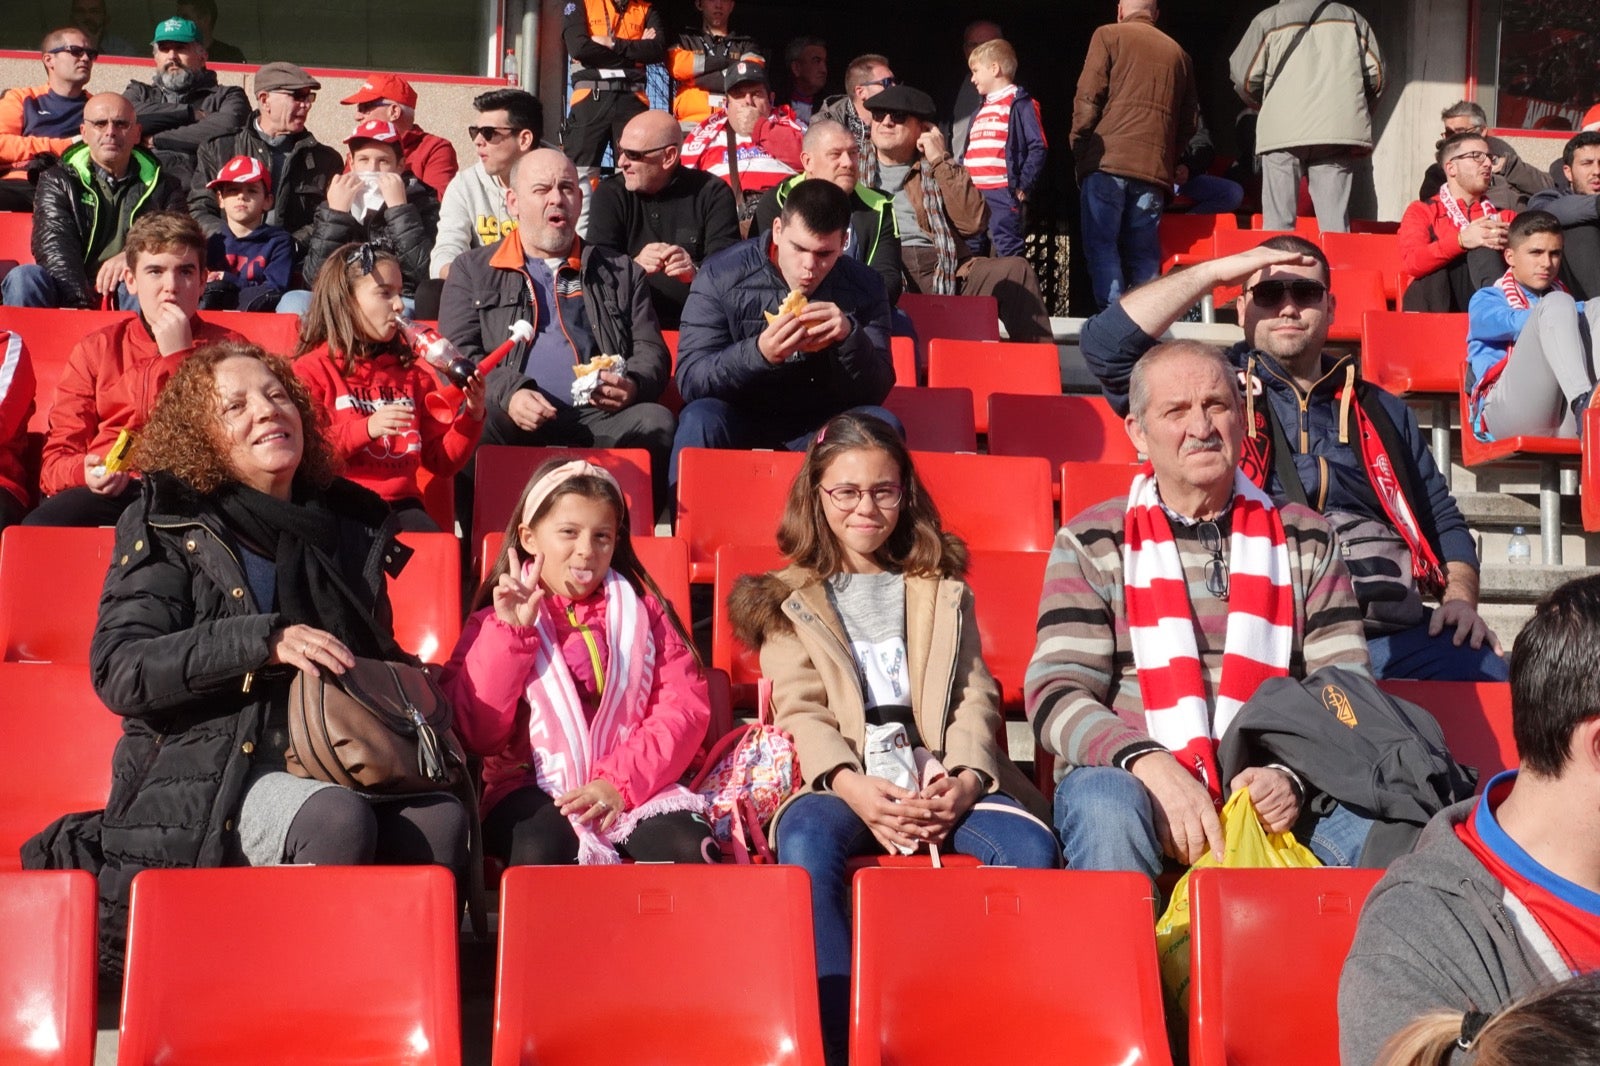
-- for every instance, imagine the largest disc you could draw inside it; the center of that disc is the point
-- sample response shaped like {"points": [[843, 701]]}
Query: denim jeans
{"points": [[820, 832], [715, 423], [1412, 654], [30, 285], [1120, 238], [1212, 195], [1106, 821]]}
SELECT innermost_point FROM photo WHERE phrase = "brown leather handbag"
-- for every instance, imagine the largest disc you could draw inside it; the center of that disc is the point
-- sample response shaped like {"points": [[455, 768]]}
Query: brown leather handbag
{"points": [[379, 727]]}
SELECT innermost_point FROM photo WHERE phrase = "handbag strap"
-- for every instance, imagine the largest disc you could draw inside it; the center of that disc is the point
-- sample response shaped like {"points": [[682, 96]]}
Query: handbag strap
{"points": [[764, 712], [1299, 36], [733, 163]]}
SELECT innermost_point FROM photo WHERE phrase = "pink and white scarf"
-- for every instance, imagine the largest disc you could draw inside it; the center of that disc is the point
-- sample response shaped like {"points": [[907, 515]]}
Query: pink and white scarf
{"points": [[1161, 623]]}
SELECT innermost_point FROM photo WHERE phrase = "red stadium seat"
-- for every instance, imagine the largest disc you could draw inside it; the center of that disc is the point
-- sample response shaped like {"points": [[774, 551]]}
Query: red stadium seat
{"points": [[1589, 490], [998, 502], [47, 970], [1356, 291], [1058, 429], [1365, 251], [1005, 593], [730, 497], [1056, 991], [278, 334], [50, 581], [903, 351], [665, 559], [1371, 225], [567, 933], [1304, 226], [968, 318], [382, 987], [1239, 918], [1085, 484], [1406, 352], [1190, 238], [426, 597], [671, 399], [58, 756], [51, 334], [502, 472], [16, 239], [936, 419], [1475, 717], [742, 663], [987, 368]]}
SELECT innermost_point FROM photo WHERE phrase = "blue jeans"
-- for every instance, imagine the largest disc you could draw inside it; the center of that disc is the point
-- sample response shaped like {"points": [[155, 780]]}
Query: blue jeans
{"points": [[714, 423], [1412, 654], [1106, 821], [1212, 195], [1120, 238], [30, 285], [298, 302], [821, 833]]}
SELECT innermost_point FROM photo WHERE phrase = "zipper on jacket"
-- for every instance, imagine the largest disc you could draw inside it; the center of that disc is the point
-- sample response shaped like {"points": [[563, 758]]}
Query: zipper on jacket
{"points": [[250, 675]]}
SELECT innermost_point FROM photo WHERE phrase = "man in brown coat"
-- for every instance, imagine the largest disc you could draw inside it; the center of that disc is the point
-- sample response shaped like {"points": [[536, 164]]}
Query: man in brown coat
{"points": [[938, 208], [1135, 109]]}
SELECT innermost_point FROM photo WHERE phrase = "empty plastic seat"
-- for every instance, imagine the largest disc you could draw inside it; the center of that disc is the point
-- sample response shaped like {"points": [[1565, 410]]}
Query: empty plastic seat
{"points": [[47, 969], [50, 581], [568, 934], [1356, 291], [730, 497], [16, 238], [1240, 1014], [665, 559], [1365, 251], [1190, 238], [1304, 226], [57, 756], [734, 561], [999, 502], [278, 334], [1408, 352], [502, 471], [986, 368], [426, 597], [903, 352], [1085, 484], [1051, 989], [1475, 717], [1589, 489], [218, 967], [936, 419], [1005, 592], [50, 334], [1058, 429], [969, 318]]}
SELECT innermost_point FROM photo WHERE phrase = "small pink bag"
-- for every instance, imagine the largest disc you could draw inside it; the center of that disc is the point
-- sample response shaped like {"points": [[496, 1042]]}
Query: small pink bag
{"points": [[746, 777]]}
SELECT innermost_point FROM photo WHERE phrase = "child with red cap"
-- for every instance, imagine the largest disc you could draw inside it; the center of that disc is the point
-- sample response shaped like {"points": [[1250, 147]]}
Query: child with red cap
{"points": [[251, 263]]}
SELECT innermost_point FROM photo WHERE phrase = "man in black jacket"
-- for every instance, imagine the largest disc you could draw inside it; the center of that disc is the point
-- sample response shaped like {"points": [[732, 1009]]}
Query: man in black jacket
{"points": [[664, 215], [276, 134], [581, 305], [83, 209], [183, 107]]}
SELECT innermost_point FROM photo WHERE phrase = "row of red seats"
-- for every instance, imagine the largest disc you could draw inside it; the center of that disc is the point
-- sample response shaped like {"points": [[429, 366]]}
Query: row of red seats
{"points": [[1041, 987]]}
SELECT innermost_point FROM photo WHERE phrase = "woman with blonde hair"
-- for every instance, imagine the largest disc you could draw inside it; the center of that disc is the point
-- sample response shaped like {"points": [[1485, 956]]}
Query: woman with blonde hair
{"points": [[1558, 1025]]}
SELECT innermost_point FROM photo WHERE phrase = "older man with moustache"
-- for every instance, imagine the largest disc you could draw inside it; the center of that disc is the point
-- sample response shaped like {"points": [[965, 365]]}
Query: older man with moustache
{"points": [[830, 152], [84, 209], [582, 300], [668, 217], [183, 106]]}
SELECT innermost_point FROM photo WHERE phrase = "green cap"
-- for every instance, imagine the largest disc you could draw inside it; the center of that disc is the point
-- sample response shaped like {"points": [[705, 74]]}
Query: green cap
{"points": [[183, 31]]}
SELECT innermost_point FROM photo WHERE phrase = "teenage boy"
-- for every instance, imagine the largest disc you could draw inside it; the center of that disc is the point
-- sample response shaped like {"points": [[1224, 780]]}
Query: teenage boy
{"points": [[113, 375], [250, 261], [1005, 146], [1530, 361]]}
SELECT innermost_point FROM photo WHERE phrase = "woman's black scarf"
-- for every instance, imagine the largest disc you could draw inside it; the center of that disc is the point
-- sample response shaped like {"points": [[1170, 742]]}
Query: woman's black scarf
{"points": [[303, 538]]}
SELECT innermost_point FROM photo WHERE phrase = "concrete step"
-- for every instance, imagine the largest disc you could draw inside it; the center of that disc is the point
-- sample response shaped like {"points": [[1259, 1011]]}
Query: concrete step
{"points": [[1504, 583]]}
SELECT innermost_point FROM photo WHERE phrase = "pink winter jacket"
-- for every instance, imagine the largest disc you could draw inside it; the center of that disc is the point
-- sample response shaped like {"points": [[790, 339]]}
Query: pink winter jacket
{"points": [[486, 679]]}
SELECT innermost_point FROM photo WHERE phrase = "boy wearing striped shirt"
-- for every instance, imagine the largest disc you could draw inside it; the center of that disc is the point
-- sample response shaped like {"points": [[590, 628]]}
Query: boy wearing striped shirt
{"points": [[1006, 146]]}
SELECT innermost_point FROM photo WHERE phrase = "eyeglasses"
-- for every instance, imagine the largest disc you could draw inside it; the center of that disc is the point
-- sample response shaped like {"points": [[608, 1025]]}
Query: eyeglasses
{"points": [[1303, 291], [300, 96], [491, 134], [114, 123], [897, 117], [848, 497], [367, 106], [1476, 157], [639, 155], [888, 83], [76, 51], [1217, 568]]}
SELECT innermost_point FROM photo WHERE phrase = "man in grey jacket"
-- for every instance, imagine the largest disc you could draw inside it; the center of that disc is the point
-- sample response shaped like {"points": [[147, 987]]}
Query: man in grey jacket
{"points": [[183, 107], [1503, 892], [1575, 201], [1314, 71]]}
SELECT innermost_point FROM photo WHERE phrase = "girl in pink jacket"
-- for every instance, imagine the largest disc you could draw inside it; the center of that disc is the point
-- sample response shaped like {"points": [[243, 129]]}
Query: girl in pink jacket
{"points": [[576, 682]]}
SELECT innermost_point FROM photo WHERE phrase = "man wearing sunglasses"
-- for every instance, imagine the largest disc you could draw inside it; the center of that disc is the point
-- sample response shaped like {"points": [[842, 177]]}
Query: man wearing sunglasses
{"points": [[1316, 433], [43, 118], [1514, 180], [390, 98], [1451, 244], [300, 166], [183, 106], [85, 207], [665, 216], [865, 77], [474, 212], [1163, 610]]}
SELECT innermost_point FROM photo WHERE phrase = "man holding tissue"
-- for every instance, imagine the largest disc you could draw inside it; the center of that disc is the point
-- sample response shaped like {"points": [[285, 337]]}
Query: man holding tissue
{"points": [[583, 302]]}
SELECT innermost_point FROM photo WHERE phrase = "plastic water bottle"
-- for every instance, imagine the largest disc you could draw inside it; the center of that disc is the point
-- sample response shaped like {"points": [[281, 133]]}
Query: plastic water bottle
{"points": [[508, 67], [434, 348], [1519, 552]]}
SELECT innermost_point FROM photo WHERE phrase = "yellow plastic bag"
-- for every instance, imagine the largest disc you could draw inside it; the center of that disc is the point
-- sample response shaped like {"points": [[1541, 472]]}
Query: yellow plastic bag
{"points": [[1246, 844]]}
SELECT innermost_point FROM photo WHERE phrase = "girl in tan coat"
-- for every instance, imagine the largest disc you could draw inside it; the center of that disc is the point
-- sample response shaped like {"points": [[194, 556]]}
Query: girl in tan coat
{"points": [[870, 640]]}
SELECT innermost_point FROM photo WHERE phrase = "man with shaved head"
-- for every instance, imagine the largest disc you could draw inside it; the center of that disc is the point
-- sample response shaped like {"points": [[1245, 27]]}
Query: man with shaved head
{"points": [[666, 216], [830, 152], [84, 207], [583, 301], [43, 118]]}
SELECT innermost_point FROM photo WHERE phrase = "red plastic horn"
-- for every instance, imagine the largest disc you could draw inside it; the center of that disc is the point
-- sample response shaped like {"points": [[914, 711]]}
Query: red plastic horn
{"points": [[444, 403]]}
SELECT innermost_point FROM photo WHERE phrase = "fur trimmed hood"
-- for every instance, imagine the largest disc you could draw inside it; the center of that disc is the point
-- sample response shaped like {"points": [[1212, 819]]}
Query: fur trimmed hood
{"points": [[755, 606]]}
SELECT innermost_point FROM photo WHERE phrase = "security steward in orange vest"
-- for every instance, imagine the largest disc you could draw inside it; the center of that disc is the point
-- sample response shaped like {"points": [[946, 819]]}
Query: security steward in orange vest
{"points": [[609, 43]]}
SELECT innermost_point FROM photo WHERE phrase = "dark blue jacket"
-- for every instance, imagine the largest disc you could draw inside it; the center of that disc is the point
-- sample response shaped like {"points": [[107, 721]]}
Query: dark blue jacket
{"points": [[1331, 472], [264, 256], [717, 353], [1026, 147]]}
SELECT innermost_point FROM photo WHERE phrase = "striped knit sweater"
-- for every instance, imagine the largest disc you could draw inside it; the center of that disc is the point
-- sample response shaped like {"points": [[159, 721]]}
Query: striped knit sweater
{"points": [[1082, 689]]}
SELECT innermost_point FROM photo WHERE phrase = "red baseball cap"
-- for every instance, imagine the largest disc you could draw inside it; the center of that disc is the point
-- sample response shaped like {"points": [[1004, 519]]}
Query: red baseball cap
{"points": [[1591, 119], [242, 170], [383, 87], [375, 130]]}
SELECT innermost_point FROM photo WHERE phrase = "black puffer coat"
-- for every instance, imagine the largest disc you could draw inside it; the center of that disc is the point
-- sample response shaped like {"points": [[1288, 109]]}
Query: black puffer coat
{"points": [[180, 652], [409, 229]]}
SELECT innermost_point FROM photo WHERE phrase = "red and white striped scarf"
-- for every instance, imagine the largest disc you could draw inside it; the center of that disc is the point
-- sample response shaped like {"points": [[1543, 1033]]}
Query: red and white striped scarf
{"points": [[1514, 294], [1458, 211], [1161, 621], [566, 747]]}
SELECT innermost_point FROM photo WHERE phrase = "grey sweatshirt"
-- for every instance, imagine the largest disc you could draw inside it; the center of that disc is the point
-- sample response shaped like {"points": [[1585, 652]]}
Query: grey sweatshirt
{"points": [[1438, 932], [472, 214]]}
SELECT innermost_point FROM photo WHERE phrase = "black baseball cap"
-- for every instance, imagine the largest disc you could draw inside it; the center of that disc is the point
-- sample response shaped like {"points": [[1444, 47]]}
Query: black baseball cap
{"points": [[742, 72]]}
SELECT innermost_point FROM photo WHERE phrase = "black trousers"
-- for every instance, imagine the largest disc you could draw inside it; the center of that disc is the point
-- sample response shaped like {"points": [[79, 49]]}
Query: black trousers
{"points": [[596, 121], [527, 828]]}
